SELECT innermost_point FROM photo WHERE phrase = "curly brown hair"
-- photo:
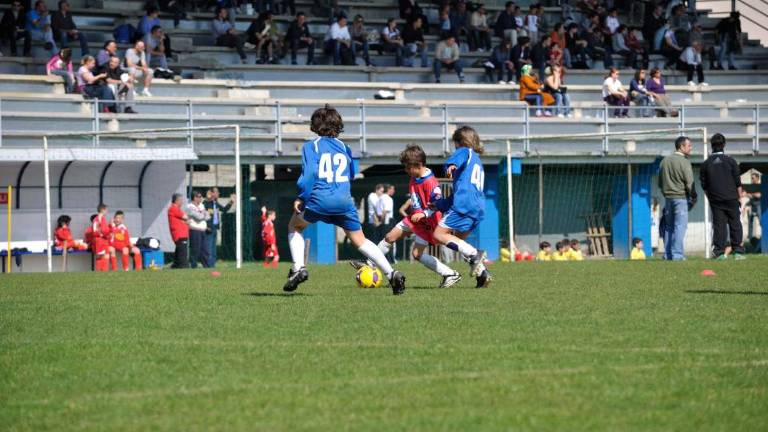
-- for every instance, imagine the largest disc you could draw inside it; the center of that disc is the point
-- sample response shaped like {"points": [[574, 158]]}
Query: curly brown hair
{"points": [[466, 136], [413, 155], [327, 122]]}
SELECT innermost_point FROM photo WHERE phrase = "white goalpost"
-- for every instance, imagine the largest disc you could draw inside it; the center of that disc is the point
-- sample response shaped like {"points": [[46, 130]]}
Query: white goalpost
{"points": [[238, 179], [622, 136]]}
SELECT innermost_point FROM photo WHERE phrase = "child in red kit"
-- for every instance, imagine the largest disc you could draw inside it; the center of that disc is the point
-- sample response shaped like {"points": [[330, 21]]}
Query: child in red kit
{"points": [[63, 236], [268, 237], [121, 242], [99, 244]]}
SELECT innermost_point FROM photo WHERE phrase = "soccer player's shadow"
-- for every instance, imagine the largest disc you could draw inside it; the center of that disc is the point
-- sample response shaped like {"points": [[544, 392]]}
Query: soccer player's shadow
{"points": [[275, 294], [727, 292]]}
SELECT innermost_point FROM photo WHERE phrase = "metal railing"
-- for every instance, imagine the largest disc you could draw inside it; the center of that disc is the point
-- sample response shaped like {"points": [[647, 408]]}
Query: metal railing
{"points": [[521, 116]]}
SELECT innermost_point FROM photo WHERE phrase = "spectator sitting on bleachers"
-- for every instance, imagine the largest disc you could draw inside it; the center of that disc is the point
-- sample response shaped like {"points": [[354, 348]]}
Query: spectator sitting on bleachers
{"points": [[445, 19], [728, 37], [94, 86], [14, 27], [226, 35], [410, 10], [413, 37], [298, 37], [690, 61], [636, 43], [338, 42], [532, 23], [137, 67], [521, 55], [652, 22], [553, 84], [500, 62], [39, 26], [259, 34], [592, 32], [615, 95], [447, 56], [619, 41], [681, 23], [612, 22], [639, 94], [61, 65], [360, 36], [667, 42], [480, 32], [697, 35], [121, 85], [177, 8], [460, 22], [65, 30], [148, 21], [107, 52], [656, 89], [506, 26], [391, 41], [588, 7], [531, 92], [558, 35], [576, 54], [540, 54], [154, 42]]}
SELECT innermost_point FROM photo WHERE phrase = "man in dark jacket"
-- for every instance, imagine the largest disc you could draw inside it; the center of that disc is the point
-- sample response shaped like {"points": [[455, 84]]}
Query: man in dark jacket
{"points": [[505, 26], [521, 54], [65, 30], [540, 54], [502, 65], [13, 27], [298, 37], [215, 210], [721, 180]]}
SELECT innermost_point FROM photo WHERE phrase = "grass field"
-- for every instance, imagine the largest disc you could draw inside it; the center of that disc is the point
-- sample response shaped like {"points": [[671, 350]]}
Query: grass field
{"points": [[551, 346]]}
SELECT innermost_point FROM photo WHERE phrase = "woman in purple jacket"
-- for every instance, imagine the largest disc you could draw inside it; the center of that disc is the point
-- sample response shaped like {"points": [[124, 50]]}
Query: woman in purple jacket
{"points": [[655, 88]]}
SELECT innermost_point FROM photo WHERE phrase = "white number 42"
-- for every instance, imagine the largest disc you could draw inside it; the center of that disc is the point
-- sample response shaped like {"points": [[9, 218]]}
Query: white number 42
{"points": [[325, 170]]}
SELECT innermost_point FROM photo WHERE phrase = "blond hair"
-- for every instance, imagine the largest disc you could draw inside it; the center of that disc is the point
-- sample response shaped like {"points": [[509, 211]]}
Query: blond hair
{"points": [[466, 136]]}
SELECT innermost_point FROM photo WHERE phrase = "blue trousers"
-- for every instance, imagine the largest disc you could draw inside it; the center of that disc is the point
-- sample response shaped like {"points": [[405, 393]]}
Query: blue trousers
{"points": [[210, 239], [675, 224]]}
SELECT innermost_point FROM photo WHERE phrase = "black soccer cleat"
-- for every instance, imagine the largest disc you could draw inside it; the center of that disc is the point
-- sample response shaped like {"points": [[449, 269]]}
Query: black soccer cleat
{"points": [[484, 279], [397, 282], [476, 263], [295, 278], [449, 281]]}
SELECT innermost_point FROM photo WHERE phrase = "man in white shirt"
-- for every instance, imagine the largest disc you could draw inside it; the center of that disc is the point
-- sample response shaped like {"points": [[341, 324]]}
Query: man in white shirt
{"points": [[385, 210], [690, 61], [373, 202], [338, 41]]}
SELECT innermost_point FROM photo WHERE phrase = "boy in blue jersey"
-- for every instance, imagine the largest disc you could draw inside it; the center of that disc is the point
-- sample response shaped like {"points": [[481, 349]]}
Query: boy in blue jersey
{"points": [[325, 196], [464, 209]]}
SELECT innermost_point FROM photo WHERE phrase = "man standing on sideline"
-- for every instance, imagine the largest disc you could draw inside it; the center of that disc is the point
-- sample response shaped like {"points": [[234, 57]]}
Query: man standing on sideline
{"points": [[198, 225], [721, 180], [177, 222], [676, 183], [215, 210], [373, 219], [385, 210]]}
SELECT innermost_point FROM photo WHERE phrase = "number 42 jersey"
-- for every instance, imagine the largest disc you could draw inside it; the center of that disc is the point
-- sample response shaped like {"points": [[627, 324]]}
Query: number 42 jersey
{"points": [[327, 172]]}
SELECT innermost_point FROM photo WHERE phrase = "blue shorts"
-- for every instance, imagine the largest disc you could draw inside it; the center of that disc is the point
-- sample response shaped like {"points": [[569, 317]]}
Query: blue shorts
{"points": [[458, 222], [347, 220]]}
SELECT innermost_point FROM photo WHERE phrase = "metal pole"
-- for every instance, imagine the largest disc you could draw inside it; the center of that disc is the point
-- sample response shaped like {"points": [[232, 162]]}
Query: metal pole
{"points": [[707, 242], [756, 144], [629, 205], [510, 215], [278, 127], [96, 122], [190, 125], [682, 119], [46, 171], [526, 130], [541, 199], [10, 215], [363, 132], [605, 129], [239, 209], [446, 142]]}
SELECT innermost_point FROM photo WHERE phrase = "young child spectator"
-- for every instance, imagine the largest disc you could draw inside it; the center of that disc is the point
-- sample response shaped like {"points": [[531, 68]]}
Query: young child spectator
{"points": [[120, 240], [531, 91], [545, 252], [226, 35], [325, 196], [615, 95], [65, 30], [63, 236], [98, 245], [447, 56], [561, 254], [271, 255], [392, 41], [612, 22], [61, 65], [465, 209], [137, 66], [299, 37], [574, 252], [532, 24], [637, 252]]}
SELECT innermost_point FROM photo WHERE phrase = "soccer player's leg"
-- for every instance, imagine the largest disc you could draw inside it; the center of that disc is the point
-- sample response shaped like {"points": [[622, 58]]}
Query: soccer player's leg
{"points": [[112, 253], [451, 223], [420, 254], [125, 258], [298, 272], [483, 276], [385, 245], [137, 263]]}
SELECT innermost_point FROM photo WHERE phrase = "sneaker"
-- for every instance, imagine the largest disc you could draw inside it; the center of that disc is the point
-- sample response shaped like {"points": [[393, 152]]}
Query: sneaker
{"points": [[358, 264], [561, 115], [129, 110], [146, 93], [397, 282], [704, 84], [722, 257], [449, 281], [437, 81], [547, 114], [510, 82], [249, 46], [732, 68], [484, 279], [538, 113], [739, 257], [691, 83], [570, 115], [244, 60], [502, 82], [295, 278], [476, 263]]}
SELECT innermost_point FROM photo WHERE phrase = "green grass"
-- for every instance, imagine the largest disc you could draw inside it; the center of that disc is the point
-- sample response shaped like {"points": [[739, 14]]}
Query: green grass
{"points": [[611, 345]]}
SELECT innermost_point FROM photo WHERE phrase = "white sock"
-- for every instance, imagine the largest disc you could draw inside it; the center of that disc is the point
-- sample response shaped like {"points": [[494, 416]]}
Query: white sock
{"points": [[373, 253], [296, 245], [463, 247], [385, 247], [435, 265]]}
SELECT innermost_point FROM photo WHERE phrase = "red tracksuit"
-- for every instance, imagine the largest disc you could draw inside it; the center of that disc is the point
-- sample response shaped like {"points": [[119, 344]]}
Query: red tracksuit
{"points": [[269, 240]]}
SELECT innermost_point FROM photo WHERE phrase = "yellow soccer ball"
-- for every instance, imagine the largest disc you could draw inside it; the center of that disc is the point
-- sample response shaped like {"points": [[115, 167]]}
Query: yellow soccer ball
{"points": [[368, 277]]}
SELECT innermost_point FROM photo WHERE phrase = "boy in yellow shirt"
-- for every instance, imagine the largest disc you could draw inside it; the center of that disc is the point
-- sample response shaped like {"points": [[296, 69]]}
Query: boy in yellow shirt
{"points": [[562, 252], [574, 254], [637, 252], [545, 252]]}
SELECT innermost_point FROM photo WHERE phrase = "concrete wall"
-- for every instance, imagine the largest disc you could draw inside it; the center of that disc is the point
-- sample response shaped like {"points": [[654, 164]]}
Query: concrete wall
{"points": [[80, 196]]}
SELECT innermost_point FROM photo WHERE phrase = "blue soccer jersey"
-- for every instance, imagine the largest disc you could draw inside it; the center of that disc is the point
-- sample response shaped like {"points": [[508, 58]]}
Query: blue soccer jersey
{"points": [[326, 176], [468, 183]]}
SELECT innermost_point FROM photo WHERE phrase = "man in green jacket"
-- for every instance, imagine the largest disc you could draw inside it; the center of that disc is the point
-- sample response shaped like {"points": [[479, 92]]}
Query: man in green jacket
{"points": [[676, 183]]}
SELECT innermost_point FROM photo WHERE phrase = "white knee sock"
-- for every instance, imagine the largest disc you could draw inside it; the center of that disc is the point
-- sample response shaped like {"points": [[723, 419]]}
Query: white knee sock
{"points": [[296, 245], [435, 265], [463, 247], [385, 247], [373, 253]]}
